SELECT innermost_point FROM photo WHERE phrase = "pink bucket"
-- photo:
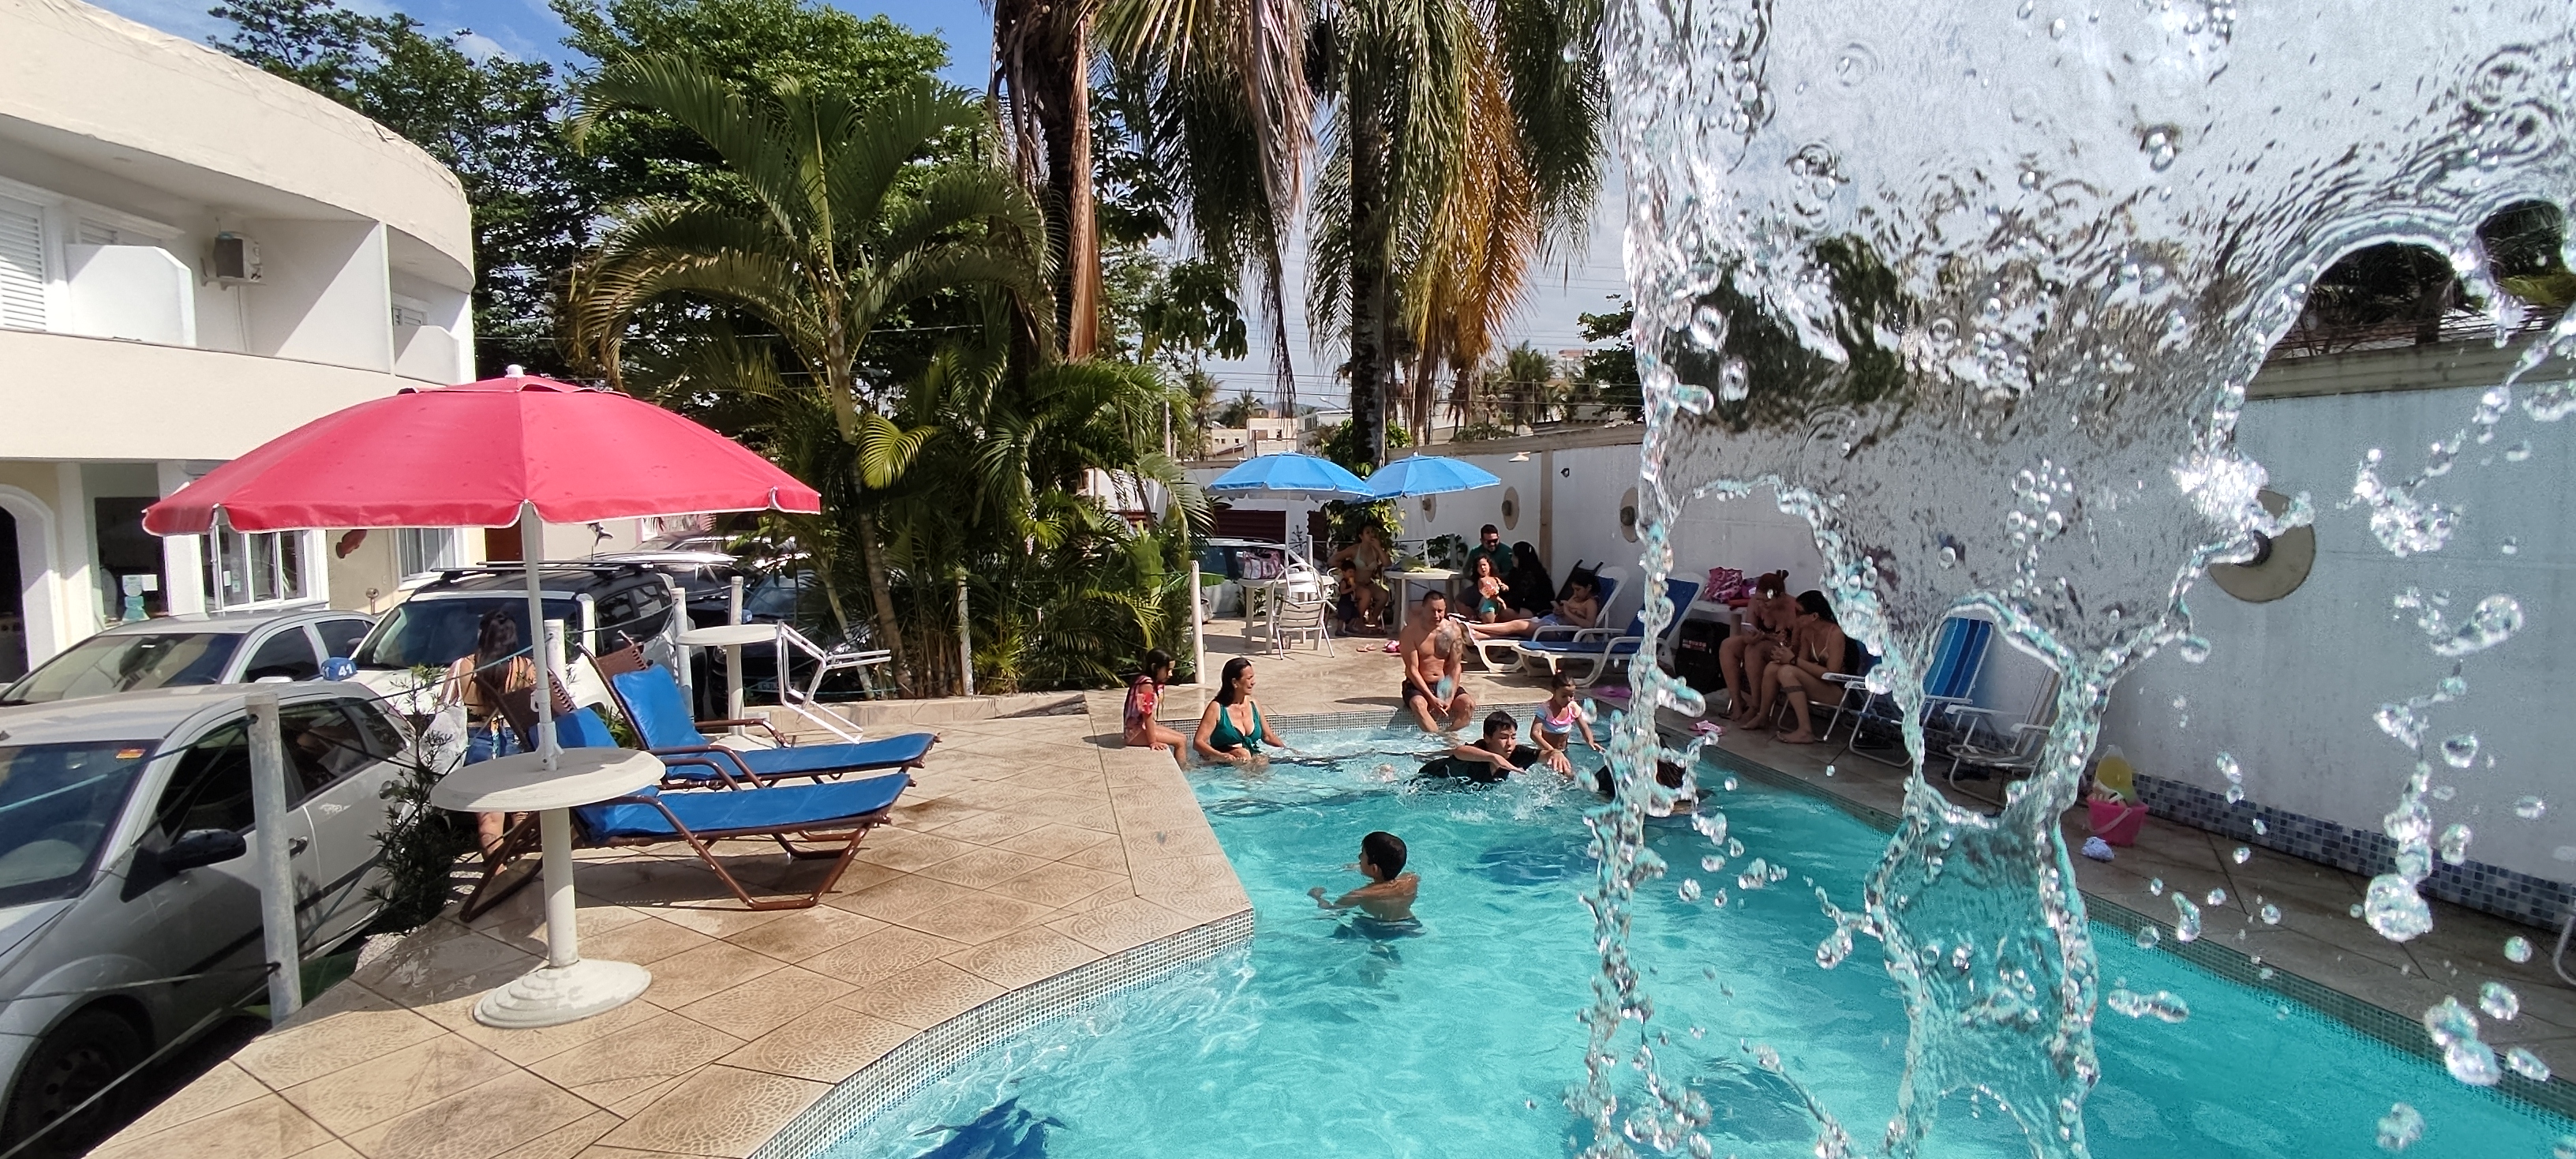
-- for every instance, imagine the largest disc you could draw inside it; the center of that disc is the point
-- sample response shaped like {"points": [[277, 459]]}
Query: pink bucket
{"points": [[2115, 822]]}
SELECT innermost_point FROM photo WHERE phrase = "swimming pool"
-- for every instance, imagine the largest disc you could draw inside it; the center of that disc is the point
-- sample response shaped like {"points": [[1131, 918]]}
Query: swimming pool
{"points": [[1462, 1040]]}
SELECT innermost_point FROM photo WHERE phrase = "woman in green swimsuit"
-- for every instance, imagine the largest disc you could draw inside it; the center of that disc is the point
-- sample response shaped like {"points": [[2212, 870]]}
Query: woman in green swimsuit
{"points": [[1232, 729]]}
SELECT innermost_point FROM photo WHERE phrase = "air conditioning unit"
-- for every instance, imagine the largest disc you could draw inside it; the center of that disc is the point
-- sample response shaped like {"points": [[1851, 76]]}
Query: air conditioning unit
{"points": [[236, 259]]}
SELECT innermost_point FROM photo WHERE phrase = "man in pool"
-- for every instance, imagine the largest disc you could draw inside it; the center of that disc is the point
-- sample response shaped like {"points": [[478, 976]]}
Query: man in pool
{"points": [[1388, 896], [1435, 667]]}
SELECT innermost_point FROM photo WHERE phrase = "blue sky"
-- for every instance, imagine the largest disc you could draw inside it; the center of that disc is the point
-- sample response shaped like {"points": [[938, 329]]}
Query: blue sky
{"points": [[1582, 278]]}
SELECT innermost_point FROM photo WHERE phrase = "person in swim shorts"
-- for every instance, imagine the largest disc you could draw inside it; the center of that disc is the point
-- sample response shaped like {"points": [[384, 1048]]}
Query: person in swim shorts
{"points": [[1388, 897], [1434, 665]]}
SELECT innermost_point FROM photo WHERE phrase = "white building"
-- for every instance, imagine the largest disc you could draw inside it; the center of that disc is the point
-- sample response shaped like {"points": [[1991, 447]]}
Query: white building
{"points": [[1257, 436], [195, 257]]}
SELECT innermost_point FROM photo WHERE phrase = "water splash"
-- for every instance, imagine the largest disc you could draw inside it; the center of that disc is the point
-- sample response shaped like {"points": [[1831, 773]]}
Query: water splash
{"points": [[2517, 949], [2527, 1064], [1999, 367], [2455, 1031], [2498, 1001], [2400, 1128], [2162, 1005]]}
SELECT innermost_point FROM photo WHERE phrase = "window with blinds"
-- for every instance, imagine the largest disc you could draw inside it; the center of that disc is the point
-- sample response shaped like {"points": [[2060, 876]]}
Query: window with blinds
{"points": [[22, 265]]}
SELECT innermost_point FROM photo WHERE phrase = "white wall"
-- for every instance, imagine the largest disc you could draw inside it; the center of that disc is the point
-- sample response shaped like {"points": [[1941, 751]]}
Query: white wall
{"points": [[139, 292], [323, 293], [2290, 686]]}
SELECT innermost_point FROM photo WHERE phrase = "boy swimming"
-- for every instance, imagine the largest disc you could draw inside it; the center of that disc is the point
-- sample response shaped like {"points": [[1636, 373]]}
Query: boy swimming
{"points": [[1487, 759], [1388, 896]]}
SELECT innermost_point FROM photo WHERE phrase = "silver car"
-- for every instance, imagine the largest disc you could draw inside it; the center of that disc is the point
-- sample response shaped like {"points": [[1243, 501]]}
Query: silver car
{"points": [[218, 649], [129, 905]]}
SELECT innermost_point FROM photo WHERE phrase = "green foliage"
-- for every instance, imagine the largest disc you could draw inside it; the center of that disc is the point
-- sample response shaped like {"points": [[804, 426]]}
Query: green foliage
{"points": [[1609, 377], [1479, 432], [420, 845], [1340, 443], [1449, 551], [491, 121]]}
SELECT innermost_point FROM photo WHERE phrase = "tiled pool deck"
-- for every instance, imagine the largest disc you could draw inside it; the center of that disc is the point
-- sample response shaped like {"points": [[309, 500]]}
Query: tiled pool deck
{"points": [[1036, 857]]}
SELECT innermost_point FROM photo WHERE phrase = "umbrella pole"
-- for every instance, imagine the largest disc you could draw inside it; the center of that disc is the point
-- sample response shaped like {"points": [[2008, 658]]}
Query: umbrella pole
{"points": [[532, 555], [554, 826]]}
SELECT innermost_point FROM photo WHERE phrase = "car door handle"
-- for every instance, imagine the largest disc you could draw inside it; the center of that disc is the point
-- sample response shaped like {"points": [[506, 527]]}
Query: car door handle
{"points": [[295, 845]]}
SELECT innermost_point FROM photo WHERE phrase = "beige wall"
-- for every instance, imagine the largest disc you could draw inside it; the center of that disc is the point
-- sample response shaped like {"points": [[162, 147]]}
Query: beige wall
{"points": [[78, 79], [68, 397]]}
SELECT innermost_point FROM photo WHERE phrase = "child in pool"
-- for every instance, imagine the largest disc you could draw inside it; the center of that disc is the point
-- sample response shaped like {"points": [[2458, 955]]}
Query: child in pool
{"points": [[1388, 897], [1553, 727], [1487, 759]]}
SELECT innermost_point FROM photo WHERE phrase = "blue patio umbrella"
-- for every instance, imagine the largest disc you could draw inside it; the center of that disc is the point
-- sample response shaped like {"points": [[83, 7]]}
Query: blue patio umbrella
{"points": [[1427, 475], [1284, 475]]}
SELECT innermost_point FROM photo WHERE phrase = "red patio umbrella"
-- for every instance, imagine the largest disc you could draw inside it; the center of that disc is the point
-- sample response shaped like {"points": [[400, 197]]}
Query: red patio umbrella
{"points": [[515, 449]]}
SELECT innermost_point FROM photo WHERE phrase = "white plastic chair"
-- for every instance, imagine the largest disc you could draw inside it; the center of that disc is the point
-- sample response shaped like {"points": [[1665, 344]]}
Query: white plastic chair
{"points": [[1309, 618]]}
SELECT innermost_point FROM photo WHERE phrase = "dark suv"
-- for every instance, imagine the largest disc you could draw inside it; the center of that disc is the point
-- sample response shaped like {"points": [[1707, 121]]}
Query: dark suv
{"points": [[603, 607]]}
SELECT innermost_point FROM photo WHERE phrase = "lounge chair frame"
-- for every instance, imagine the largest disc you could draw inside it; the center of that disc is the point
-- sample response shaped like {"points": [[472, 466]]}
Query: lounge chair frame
{"points": [[521, 839]]}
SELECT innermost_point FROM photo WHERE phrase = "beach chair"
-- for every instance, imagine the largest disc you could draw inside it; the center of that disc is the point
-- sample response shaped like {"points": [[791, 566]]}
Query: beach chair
{"points": [[652, 701], [1600, 647], [1503, 654], [1958, 656], [833, 817]]}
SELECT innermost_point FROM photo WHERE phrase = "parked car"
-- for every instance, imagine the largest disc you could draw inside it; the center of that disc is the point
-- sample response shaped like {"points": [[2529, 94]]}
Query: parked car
{"points": [[1239, 560], [603, 607], [129, 907], [181, 650], [706, 585]]}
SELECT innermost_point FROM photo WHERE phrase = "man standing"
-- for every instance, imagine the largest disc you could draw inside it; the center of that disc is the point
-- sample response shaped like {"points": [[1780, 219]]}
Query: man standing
{"points": [[1489, 543], [1435, 667]]}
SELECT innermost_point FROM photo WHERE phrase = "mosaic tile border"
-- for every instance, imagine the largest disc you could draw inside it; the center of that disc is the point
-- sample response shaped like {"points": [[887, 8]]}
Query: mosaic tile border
{"points": [[925, 1055], [2386, 1027], [2506, 893], [1372, 718]]}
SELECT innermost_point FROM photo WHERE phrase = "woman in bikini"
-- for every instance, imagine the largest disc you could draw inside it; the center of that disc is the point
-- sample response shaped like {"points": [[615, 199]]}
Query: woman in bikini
{"points": [[1744, 653], [1798, 669], [1231, 730]]}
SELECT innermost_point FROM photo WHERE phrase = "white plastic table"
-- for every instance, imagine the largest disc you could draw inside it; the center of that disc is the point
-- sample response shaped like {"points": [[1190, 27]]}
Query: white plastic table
{"points": [[731, 638], [567, 988], [1401, 587]]}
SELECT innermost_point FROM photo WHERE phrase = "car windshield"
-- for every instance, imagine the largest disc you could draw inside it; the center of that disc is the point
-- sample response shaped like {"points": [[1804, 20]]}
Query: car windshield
{"points": [[435, 632], [126, 661], [57, 802]]}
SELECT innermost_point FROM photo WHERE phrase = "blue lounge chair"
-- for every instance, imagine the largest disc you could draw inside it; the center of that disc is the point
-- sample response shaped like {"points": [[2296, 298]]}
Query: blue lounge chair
{"points": [[1503, 653], [1600, 647], [834, 816], [1958, 656], [652, 701]]}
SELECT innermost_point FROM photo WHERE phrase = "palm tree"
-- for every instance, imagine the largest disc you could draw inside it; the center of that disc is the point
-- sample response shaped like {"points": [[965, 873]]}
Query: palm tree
{"points": [[1467, 136], [1041, 87], [1228, 120], [832, 217]]}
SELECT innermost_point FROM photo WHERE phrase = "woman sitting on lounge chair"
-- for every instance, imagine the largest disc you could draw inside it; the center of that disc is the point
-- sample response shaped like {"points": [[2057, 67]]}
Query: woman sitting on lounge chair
{"points": [[1579, 609], [1531, 591], [1797, 669]]}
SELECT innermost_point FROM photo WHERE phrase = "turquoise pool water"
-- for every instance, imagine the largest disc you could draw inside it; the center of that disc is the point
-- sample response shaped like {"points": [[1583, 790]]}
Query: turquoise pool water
{"points": [[1462, 1040]]}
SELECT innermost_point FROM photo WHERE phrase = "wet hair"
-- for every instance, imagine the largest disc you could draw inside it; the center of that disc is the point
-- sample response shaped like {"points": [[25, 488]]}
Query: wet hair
{"points": [[1385, 851], [1226, 692], [1157, 662], [1669, 774], [1501, 722], [496, 637], [1562, 679], [1814, 603]]}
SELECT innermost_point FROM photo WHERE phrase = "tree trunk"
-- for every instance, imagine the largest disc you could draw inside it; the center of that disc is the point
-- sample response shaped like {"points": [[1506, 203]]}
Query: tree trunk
{"points": [[1051, 87], [881, 593], [1370, 307]]}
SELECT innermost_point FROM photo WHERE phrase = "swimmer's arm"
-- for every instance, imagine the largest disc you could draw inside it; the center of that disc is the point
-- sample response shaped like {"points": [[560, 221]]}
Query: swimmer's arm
{"points": [[1207, 728], [1474, 753]]}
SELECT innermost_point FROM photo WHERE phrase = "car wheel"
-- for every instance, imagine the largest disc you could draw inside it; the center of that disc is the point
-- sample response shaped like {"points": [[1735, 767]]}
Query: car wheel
{"points": [[75, 1061]]}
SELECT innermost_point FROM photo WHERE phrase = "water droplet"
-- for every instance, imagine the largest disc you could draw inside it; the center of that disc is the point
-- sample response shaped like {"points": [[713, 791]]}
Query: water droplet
{"points": [[2159, 148], [1690, 889], [1829, 770], [1712, 863], [2057, 31], [1734, 381], [2241, 854], [2455, 1030], [2271, 914], [2194, 650], [2444, 792], [2394, 909], [1708, 329], [2530, 808], [2528, 1065], [2156, 886], [2510, 546], [1718, 899], [1734, 847], [2492, 622], [2399, 1129], [2216, 897], [2454, 844], [2259, 828], [1712, 825], [2186, 918], [2517, 949], [2266, 973], [2163, 1005], [2517, 452], [2228, 768], [2564, 1148], [1570, 53], [1730, 784], [2235, 794], [2029, 179], [2148, 936], [2461, 751], [2499, 1002]]}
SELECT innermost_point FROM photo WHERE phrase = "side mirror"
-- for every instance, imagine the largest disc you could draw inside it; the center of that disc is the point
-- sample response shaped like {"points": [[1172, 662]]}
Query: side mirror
{"points": [[339, 668], [198, 847]]}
